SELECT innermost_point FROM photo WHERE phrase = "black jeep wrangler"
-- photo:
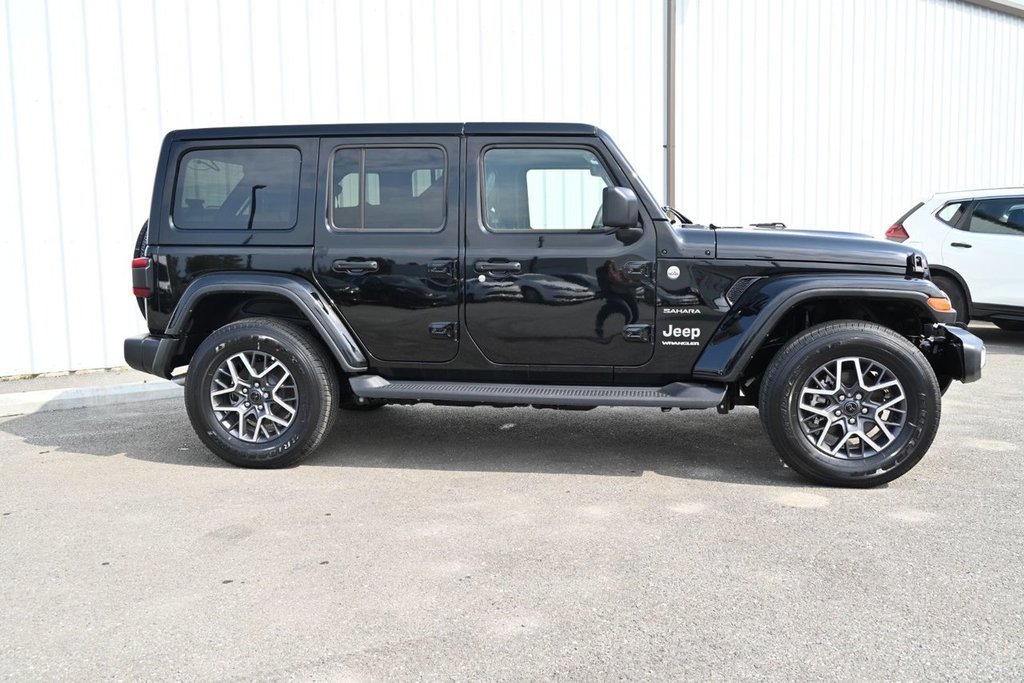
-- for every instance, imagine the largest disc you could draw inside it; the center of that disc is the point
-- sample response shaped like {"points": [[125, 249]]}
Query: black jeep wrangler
{"points": [[297, 271]]}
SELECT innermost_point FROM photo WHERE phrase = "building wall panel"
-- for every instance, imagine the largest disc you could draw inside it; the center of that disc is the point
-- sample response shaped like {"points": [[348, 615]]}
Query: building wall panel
{"points": [[842, 115]]}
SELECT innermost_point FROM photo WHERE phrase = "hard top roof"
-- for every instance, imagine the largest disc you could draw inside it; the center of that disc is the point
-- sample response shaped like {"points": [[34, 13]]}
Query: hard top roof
{"points": [[386, 129]]}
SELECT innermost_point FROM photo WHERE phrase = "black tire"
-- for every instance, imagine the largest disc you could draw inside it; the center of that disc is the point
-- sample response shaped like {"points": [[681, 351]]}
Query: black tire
{"points": [[1010, 325], [315, 384], [806, 355], [141, 247], [957, 297]]}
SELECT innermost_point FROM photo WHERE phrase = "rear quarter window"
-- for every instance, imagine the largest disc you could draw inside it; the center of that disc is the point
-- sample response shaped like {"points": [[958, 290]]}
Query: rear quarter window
{"points": [[951, 213], [252, 188]]}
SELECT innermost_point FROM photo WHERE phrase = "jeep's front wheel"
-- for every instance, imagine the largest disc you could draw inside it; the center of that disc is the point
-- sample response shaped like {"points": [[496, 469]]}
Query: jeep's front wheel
{"points": [[261, 393], [850, 403]]}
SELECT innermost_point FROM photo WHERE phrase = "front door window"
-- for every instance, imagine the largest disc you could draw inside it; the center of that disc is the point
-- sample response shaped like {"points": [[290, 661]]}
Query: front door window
{"points": [[543, 189]]}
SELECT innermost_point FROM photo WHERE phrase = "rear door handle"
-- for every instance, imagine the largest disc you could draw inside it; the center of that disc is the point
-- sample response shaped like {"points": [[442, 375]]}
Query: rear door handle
{"points": [[962, 245], [498, 266], [347, 266]]}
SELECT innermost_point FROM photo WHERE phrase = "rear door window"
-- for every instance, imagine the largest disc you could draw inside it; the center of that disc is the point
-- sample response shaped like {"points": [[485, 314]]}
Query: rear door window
{"points": [[1002, 216], [237, 188], [388, 188]]}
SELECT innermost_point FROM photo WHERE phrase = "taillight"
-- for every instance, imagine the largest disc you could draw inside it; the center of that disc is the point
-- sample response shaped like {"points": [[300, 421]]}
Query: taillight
{"points": [[142, 278], [897, 233]]}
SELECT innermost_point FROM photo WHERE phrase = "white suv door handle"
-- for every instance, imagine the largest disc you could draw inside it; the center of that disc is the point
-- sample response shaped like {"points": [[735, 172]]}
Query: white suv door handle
{"points": [[962, 245]]}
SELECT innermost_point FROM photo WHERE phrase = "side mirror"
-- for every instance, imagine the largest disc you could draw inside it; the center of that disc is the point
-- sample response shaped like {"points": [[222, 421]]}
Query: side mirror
{"points": [[620, 208]]}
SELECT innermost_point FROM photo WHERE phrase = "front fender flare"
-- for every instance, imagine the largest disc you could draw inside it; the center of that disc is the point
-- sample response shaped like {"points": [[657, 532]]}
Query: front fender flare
{"points": [[762, 306], [307, 298]]}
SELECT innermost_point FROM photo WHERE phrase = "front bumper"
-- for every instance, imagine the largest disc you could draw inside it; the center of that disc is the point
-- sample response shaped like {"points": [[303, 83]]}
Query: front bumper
{"points": [[957, 353], [150, 353]]}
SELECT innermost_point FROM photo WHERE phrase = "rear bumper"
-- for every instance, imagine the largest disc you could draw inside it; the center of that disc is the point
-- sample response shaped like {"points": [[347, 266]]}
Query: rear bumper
{"points": [[149, 353], [958, 353]]}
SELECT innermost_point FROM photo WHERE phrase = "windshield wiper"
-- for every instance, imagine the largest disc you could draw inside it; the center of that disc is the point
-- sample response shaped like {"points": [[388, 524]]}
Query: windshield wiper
{"points": [[673, 212]]}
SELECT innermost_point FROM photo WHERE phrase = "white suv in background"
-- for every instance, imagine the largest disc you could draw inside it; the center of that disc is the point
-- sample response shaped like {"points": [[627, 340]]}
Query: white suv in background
{"points": [[974, 241]]}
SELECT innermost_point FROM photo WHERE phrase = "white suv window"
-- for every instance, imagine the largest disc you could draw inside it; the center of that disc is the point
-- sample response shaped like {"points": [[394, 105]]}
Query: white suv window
{"points": [[950, 213], [1003, 216]]}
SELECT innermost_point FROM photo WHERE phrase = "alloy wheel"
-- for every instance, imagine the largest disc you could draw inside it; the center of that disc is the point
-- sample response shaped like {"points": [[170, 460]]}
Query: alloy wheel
{"points": [[852, 408], [254, 396]]}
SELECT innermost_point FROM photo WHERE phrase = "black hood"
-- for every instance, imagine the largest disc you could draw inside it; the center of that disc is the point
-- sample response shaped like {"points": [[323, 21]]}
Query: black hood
{"points": [[809, 245]]}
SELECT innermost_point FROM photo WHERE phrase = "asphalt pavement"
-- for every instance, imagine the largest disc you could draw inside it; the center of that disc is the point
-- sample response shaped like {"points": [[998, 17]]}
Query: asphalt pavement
{"points": [[510, 544]]}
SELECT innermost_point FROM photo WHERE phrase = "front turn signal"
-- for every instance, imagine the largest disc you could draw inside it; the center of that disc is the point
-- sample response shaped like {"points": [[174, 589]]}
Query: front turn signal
{"points": [[940, 304]]}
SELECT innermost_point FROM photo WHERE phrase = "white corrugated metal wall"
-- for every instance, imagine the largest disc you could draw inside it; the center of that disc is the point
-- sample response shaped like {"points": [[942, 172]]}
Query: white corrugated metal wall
{"points": [[843, 115], [828, 114]]}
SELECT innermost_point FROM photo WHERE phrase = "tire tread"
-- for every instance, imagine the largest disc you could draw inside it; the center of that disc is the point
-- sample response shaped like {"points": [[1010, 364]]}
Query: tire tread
{"points": [[798, 345], [324, 378]]}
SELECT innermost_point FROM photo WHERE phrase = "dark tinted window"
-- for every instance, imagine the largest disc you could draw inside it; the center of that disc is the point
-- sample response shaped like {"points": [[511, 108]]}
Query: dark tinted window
{"points": [[543, 189], [217, 188], [387, 188], [1004, 216]]}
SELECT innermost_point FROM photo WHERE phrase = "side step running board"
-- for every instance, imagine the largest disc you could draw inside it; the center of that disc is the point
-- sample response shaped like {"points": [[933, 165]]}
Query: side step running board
{"points": [[689, 395]]}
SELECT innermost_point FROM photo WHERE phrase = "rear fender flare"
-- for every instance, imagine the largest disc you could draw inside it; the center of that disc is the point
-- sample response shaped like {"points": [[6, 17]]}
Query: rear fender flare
{"points": [[744, 328], [313, 305]]}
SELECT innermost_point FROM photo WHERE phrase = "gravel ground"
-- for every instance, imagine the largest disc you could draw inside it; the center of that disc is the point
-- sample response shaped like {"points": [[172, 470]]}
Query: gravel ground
{"points": [[487, 544]]}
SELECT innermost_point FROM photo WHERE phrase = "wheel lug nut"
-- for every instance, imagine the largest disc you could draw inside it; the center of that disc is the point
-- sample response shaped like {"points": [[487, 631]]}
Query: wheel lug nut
{"points": [[858, 397], [266, 395], [842, 397], [863, 410], [839, 412], [246, 404], [851, 420]]}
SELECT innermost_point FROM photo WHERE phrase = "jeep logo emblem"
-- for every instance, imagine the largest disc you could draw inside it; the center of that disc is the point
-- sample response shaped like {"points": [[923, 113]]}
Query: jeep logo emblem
{"points": [[684, 332]]}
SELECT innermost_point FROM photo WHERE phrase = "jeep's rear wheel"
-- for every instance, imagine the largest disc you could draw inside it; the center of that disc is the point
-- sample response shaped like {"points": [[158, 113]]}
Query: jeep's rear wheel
{"points": [[850, 403], [261, 393]]}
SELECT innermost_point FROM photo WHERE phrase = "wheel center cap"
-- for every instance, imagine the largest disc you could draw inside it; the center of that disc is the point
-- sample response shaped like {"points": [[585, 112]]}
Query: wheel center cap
{"points": [[255, 396], [851, 407]]}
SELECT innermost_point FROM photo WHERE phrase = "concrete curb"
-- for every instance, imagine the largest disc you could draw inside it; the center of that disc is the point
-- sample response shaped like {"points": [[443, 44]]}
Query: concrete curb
{"points": [[27, 402]]}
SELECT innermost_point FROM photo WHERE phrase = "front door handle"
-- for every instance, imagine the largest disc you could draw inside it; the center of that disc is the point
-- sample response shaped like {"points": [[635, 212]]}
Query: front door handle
{"points": [[353, 266], [498, 266], [962, 245]]}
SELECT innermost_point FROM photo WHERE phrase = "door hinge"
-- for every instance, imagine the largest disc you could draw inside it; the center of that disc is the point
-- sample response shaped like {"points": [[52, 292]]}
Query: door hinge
{"points": [[637, 333], [441, 268], [637, 269], [444, 330]]}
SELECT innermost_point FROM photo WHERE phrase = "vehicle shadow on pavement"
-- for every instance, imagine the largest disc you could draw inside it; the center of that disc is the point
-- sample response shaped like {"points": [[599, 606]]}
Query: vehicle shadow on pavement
{"points": [[605, 442], [623, 442], [997, 340], [153, 431]]}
